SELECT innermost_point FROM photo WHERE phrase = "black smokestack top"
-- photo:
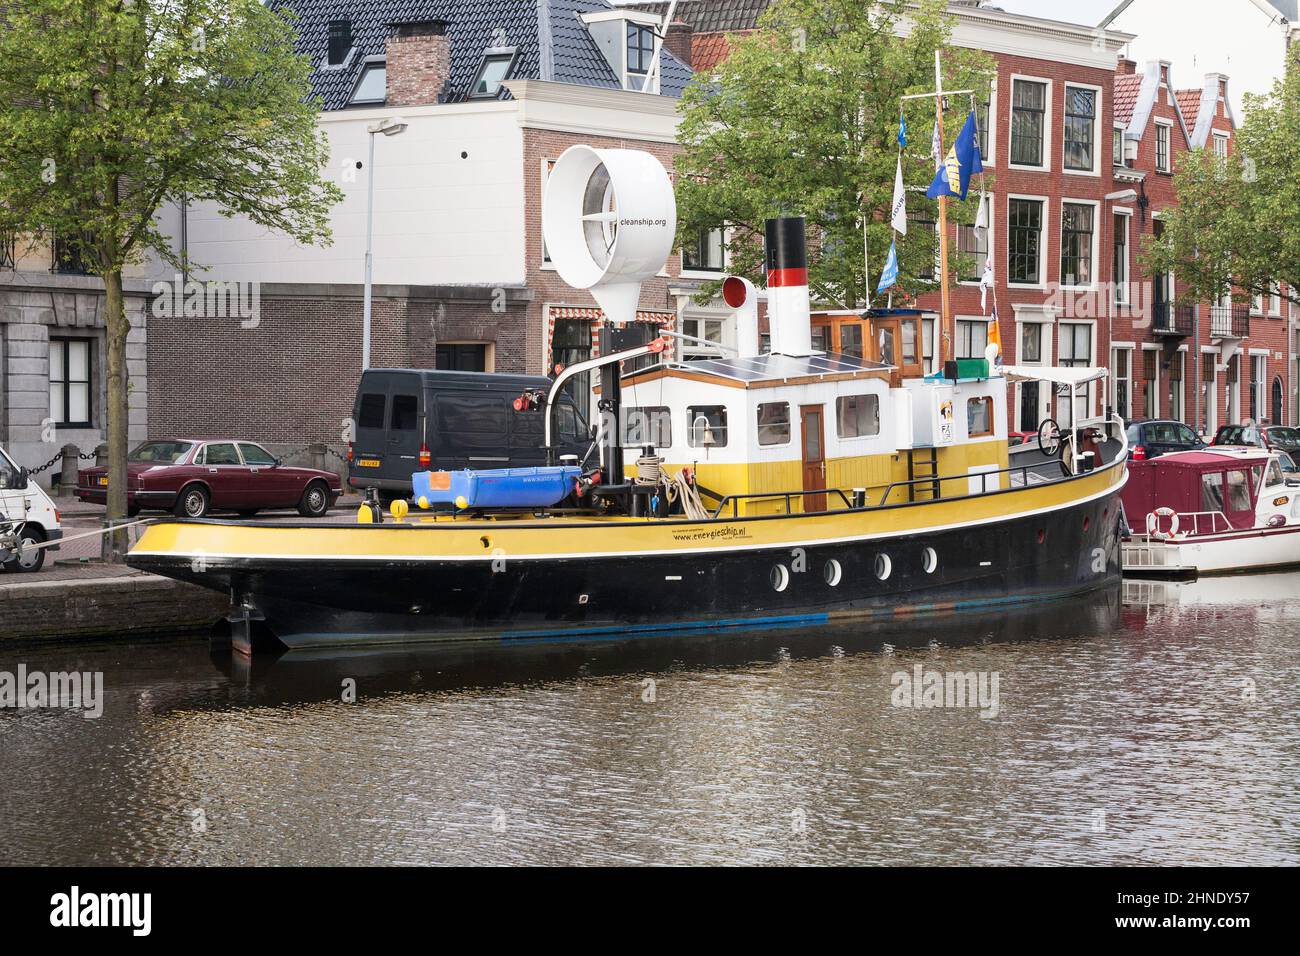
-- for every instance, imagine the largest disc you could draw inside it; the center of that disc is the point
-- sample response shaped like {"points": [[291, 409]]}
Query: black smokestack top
{"points": [[787, 252]]}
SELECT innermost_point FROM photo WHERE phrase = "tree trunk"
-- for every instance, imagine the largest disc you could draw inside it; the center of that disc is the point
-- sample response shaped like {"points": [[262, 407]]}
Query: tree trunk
{"points": [[115, 544]]}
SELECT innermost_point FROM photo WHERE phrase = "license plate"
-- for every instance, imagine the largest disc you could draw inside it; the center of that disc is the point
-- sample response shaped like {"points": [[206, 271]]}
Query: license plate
{"points": [[103, 482], [368, 462]]}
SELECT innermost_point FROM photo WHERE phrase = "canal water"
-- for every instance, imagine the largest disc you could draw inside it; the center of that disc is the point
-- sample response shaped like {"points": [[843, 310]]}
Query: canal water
{"points": [[1153, 726]]}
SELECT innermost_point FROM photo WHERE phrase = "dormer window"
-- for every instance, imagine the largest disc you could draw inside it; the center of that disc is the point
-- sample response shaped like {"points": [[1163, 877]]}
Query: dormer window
{"points": [[640, 49], [340, 42], [372, 86], [494, 71]]}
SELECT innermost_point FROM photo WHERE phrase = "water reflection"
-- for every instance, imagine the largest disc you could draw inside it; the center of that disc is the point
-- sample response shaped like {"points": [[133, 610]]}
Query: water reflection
{"points": [[1123, 735]]}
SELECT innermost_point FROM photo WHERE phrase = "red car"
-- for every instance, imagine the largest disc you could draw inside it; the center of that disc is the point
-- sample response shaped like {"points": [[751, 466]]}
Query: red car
{"points": [[193, 476]]}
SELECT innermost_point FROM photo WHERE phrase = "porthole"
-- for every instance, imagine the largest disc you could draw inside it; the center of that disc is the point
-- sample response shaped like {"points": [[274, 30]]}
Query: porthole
{"points": [[930, 560], [833, 572], [780, 578], [1087, 522], [884, 567], [1042, 536]]}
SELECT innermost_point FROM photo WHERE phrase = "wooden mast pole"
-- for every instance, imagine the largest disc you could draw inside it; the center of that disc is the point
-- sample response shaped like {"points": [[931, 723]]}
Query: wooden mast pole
{"points": [[945, 306]]}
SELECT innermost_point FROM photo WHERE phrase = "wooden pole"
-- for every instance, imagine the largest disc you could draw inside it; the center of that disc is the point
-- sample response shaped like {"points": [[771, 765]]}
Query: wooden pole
{"points": [[945, 306]]}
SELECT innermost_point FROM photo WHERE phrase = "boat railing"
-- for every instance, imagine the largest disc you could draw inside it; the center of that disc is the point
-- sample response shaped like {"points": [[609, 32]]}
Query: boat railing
{"points": [[788, 496], [1216, 520], [1023, 470]]}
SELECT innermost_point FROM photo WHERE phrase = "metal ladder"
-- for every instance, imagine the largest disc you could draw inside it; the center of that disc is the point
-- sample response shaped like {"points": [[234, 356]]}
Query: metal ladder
{"points": [[926, 467]]}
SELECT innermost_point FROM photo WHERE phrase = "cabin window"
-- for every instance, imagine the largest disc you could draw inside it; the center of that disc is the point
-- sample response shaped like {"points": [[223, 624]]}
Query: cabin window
{"points": [[909, 343], [1212, 492], [1274, 474], [652, 425], [979, 417], [1238, 491], [858, 416], [372, 411], [708, 426], [774, 423], [851, 340]]}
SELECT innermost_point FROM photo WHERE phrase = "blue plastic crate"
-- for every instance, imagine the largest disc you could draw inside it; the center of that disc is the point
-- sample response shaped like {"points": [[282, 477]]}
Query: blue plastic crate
{"points": [[497, 488]]}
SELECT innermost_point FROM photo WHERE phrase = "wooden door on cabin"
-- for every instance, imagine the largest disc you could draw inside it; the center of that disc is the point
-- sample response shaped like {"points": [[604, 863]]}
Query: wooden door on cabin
{"points": [[813, 441]]}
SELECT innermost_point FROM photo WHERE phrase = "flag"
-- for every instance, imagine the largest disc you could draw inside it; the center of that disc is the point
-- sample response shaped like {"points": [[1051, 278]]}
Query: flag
{"points": [[982, 217], [889, 277], [986, 282], [902, 131], [995, 332], [953, 177], [936, 144], [898, 218]]}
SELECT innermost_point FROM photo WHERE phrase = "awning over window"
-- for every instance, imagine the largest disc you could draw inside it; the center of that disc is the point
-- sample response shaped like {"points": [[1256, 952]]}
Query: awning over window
{"points": [[592, 314], [1056, 374]]}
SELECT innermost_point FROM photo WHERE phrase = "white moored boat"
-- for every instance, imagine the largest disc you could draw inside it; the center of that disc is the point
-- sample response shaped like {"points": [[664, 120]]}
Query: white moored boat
{"points": [[1213, 511]]}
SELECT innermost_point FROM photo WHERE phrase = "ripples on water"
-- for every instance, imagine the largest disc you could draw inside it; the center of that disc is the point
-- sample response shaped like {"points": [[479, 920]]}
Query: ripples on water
{"points": [[1158, 730]]}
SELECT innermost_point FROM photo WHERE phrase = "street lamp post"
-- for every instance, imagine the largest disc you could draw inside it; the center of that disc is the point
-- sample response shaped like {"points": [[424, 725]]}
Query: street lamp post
{"points": [[388, 127]]}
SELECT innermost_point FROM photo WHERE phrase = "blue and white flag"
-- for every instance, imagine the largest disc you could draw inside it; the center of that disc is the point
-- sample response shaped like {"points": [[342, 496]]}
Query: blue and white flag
{"points": [[963, 162], [902, 131], [889, 277]]}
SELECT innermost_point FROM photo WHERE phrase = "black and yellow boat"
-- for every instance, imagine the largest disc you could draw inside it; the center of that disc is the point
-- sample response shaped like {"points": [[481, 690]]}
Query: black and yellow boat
{"points": [[788, 488]]}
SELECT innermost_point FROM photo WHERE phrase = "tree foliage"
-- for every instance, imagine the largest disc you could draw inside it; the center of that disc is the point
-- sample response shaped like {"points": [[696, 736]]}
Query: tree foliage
{"points": [[1237, 221], [802, 119], [111, 109]]}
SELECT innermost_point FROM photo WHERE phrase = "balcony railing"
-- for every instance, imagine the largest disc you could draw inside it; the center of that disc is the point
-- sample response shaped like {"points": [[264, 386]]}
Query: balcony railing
{"points": [[1170, 319], [1229, 321]]}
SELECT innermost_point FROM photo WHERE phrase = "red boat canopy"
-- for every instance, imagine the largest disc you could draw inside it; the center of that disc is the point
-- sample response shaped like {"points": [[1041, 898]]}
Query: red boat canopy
{"points": [[1196, 482]]}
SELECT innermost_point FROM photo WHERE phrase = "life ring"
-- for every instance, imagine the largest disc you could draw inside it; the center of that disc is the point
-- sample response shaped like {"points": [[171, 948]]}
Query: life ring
{"points": [[1153, 524]]}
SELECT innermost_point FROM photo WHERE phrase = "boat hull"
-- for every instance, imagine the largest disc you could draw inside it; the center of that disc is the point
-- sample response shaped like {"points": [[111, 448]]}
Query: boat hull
{"points": [[332, 599]]}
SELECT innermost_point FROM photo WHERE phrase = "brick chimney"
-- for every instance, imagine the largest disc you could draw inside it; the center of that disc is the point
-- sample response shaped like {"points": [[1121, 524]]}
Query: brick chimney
{"points": [[678, 40], [418, 62], [1126, 67]]}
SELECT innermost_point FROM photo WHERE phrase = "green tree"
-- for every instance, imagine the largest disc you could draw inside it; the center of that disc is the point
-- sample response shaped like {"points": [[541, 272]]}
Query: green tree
{"points": [[112, 109], [1237, 222], [802, 119]]}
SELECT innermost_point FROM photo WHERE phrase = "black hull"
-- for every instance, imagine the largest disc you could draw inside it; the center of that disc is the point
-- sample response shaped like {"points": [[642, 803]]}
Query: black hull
{"points": [[1022, 561]]}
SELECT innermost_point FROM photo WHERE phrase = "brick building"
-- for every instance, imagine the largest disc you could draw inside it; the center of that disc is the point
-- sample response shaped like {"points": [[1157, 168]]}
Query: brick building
{"points": [[491, 93]]}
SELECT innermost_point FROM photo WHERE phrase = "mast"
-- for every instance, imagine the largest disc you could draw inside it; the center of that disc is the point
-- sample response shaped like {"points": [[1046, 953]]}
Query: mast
{"points": [[945, 306]]}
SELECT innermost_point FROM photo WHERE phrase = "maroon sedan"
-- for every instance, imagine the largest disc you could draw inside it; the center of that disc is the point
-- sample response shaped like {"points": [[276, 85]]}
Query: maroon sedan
{"points": [[192, 477]]}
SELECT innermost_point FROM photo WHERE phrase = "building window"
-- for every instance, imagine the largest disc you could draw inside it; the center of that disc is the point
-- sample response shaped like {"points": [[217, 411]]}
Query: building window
{"points": [[973, 253], [340, 41], [1163, 158], [1076, 345], [1177, 369], [491, 74], [1258, 376], [461, 358], [648, 426], [972, 338], [923, 232], [69, 254], [1117, 147], [571, 344], [1025, 241], [372, 87], [1076, 244], [774, 423], [703, 252], [707, 426], [979, 417], [1121, 364], [710, 330], [640, 48], [1121, 259], [1275, 300], [1151, 380], [1031, 342], [1220, 146], [1028, 122], [8, 250], [983, 108], [70, 382], [857, 416], [1080, 128]]}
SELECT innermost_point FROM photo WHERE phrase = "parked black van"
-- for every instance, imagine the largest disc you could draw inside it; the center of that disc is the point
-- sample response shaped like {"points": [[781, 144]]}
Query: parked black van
{"points": [[455, 419]]}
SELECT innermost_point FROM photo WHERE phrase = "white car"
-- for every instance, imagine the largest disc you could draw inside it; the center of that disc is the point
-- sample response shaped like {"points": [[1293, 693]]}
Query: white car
{"points": [[28, 519]]}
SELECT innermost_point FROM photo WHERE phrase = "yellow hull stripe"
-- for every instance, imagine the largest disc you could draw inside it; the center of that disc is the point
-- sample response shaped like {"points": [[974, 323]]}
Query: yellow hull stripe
{"points": [[484, 539]]}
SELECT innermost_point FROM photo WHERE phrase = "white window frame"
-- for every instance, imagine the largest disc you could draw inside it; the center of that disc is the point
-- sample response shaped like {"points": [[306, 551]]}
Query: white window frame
{"points": [[1275, 301], [545, 175], [1096, 238], [1117, 128], [1259, 385], [1099, 114], [706, 273], [1131, 349], [1158, 384], [1168, 127], [1087, 398], [991, 239], [1221, 139], [1124, 292], [1048, 139], [1043, 242], [991, 159]]}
